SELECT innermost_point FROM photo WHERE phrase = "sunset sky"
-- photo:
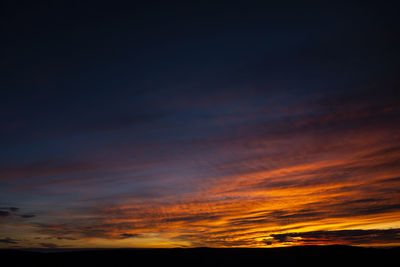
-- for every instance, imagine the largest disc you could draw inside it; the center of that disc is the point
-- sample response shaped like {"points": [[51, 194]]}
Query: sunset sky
{"points": [[199, 124]]}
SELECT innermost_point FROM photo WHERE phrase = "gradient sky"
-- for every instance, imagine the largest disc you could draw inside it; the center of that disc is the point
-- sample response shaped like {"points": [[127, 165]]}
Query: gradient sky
{"points": [[203, 123]]}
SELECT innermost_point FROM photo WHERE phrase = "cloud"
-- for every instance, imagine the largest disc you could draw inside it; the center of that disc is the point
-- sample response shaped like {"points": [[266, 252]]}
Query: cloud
{"points": [[347, 237], [125, 235], [66, 238], [8, 240], [234, 178], [6, 209], [26, 216], [14, 211], [4, 213]]}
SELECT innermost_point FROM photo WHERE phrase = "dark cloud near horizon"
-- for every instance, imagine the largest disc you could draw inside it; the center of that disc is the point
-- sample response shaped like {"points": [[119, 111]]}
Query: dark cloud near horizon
{"points": [[8, 240], [354, 237]]}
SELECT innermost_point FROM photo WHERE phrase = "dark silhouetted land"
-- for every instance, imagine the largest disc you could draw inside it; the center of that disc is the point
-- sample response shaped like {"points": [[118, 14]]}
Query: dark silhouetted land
{"points": [[291, 256]]}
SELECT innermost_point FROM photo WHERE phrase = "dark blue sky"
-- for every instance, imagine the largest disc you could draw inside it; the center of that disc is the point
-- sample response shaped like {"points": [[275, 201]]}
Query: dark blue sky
{"points": [[152, 106]]}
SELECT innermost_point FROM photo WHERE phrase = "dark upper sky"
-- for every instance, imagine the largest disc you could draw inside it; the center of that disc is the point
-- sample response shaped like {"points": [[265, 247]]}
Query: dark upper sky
{"points": [[178, 124]]}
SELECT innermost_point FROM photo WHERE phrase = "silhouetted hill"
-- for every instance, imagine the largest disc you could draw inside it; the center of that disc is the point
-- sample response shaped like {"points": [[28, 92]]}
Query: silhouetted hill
{"points": [[291, 256]]}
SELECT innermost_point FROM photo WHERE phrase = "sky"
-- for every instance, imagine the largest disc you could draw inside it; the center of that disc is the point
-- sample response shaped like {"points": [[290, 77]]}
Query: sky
{"points": [[199, 124]]}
